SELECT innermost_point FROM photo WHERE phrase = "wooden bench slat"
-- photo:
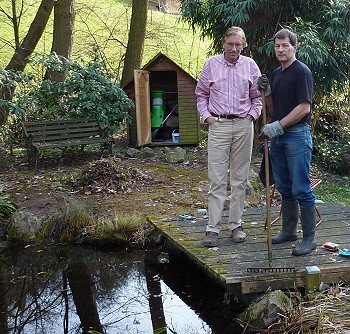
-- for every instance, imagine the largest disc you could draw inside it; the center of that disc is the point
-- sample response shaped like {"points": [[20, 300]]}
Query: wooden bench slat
{"points": [[64, 137], [65, 131], [93, 131], [76, 142], [59, 127], [63, 121]]}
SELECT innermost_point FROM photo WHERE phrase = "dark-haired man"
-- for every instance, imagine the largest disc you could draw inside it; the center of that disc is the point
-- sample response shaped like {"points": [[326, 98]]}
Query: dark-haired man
{"points": [[290, 98]]}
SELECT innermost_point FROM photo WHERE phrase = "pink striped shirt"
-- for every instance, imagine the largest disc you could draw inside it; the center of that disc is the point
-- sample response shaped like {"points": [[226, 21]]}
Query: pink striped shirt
{"points": [[225, 88]]}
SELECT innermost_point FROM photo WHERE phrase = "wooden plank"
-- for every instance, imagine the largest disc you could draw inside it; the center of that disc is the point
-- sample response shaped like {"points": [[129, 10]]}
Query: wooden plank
{"points": [[229, 262], [60, 124], [65, 121], [65, 137], [76, 142], [142, 106], [60, 128]]}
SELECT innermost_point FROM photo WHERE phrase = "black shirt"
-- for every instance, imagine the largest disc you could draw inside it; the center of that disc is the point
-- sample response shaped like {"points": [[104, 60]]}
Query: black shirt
{"points": [[291, 87]]}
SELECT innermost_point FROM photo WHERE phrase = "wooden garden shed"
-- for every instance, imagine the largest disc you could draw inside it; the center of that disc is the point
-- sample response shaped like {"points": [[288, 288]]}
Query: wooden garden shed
{"points": [[165, 110]]}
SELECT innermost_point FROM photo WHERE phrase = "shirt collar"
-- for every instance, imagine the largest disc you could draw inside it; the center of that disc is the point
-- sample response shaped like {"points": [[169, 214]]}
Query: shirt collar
{"points": [[226, 63]]}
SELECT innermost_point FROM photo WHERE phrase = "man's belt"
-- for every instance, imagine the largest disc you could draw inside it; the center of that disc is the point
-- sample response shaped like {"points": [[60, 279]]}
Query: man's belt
{"points": [[225, 116]]}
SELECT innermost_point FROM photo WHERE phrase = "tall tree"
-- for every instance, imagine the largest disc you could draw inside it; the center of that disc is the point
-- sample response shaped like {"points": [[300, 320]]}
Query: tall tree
{"points": [[82, 289], [3, 303], [322, 26], [63, 28], [137, 32], [25, 48]]}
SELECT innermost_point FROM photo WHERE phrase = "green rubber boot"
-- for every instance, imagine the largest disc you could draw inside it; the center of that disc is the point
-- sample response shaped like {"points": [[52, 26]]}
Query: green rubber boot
{"points": [[290, 216], [308, 223]]}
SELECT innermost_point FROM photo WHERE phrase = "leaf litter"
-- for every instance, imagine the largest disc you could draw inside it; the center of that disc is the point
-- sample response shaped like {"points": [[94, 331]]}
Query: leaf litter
{"points": [[111, 175]]}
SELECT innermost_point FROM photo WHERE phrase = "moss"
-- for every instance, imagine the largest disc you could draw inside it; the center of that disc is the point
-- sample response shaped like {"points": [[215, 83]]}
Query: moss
{"points": [[219, 270], [201, 251], [188, 243], [224, 261]]}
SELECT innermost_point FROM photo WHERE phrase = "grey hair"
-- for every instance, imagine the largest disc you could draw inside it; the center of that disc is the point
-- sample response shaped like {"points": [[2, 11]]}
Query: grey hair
{"points": [[235, 31]]}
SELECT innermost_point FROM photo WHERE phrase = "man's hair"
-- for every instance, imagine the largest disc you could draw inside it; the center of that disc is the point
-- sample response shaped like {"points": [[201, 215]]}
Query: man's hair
{"points": [[285, 33], [235, 31]]}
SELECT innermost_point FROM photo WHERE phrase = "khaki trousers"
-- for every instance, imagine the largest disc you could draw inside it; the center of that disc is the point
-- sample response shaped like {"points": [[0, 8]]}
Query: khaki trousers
{"points": [[230, 145]]}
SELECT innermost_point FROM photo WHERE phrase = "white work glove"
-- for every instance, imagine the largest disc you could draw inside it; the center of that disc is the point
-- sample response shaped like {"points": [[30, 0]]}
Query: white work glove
{"points": [[271, 130]]}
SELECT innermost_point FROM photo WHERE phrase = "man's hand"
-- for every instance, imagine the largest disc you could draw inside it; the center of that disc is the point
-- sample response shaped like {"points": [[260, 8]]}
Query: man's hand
{"points": [[271, 130], [264, 84], [210, 120]]}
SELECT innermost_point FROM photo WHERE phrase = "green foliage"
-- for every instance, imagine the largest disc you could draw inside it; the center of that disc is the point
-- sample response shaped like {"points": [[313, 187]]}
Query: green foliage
{"points": [[332, 142], [322, 26], [7, 206], [87, 92], [334, 154]]}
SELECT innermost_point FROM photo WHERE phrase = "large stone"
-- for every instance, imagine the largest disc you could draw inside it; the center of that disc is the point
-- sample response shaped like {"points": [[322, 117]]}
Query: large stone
{"points": [[176, 155], [25, 224], [267, 309], [132, 152], [147, 152]]}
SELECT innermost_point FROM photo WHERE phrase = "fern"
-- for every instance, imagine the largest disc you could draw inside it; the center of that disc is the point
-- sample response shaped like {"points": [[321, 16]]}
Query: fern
{"points": [[7, 206]]}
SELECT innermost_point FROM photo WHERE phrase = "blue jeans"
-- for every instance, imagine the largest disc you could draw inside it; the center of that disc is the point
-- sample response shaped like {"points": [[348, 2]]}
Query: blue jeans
{"points": [[291, 159]]}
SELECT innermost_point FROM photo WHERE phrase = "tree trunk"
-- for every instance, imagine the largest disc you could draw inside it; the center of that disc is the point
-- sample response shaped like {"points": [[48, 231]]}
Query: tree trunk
{"points": [[137, 32], [25, 49], [155, 299], [15, 23], [84, 298], [3, 304], [63, 28]]}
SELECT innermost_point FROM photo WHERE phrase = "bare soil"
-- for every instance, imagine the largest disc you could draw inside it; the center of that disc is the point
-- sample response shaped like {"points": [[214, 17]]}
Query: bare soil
{"points": [[110, 184]]}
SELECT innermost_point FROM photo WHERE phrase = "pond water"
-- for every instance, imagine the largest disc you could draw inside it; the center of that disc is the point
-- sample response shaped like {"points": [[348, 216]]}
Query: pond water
{"points": [[74, 290]]}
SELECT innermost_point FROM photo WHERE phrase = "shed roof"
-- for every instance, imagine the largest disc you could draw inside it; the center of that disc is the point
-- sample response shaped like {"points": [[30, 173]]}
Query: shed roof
{"points": [[158, 56]]}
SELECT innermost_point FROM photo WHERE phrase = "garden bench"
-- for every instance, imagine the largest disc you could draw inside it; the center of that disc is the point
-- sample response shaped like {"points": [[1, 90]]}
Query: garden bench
{"points": [[40, 135]]}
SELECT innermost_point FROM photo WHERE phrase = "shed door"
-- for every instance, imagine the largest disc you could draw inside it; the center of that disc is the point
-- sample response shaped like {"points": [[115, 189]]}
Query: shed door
{"points": [[142, 106]]}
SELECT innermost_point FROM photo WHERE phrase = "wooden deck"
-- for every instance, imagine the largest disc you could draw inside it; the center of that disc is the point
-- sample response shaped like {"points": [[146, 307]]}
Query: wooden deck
{"points": [[229, 262]]}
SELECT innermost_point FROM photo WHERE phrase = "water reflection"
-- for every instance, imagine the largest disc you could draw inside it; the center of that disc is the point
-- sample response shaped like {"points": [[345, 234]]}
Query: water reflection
{"points": [[76, 290]]}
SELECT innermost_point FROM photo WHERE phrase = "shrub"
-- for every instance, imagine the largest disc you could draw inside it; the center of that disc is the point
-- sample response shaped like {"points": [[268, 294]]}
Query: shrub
{"points": [[87, 92], [332, 139]]}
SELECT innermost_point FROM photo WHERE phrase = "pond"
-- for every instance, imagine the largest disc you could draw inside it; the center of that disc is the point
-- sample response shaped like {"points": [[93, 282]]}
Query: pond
{"points": [[60, 289]]}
